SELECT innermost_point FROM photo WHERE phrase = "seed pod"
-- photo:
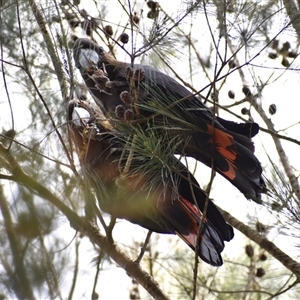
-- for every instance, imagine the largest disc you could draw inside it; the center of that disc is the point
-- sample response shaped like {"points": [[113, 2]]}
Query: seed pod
{"points": [[273, 55], [246, 91], [135, 18], [286, 46], [260, 272], [124, 38], [293, 54], [128, 115], [285, 62], [275, 44], [99, 75], [108, 30], [152, 14], [245, 111], [129, 72], [120, 111], [139, 75], [262, 257], [153, 5], [232, 64], [9, 134], [126, 97], [84, 13], [272, 109], [95, 296], [231, 94], [249, 251]]}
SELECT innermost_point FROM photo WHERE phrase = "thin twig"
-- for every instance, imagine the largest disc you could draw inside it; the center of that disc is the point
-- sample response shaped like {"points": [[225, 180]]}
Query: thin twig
{"points": [[76, 268], [143, 249]]}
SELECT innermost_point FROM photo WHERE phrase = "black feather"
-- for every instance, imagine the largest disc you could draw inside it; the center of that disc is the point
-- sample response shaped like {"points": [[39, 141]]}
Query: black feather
{"points": [[224, 145], [174, 204]]}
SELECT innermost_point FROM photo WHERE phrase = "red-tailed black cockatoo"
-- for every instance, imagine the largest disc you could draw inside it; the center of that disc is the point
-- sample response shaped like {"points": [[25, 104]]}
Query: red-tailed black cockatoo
{"points": [[140, 94], [164, 199]]}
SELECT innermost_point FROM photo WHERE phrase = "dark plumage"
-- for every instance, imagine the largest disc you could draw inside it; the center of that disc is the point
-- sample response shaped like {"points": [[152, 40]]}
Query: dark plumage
{"points": [[162, 102], [167, 201]]}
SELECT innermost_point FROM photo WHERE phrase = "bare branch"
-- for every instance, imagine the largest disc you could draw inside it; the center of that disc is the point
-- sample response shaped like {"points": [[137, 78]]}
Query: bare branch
{"points": [[264, 243]]}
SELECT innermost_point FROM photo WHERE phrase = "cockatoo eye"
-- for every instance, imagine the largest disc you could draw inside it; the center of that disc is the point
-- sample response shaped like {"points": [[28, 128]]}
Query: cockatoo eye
{"points": [[88, 58], [80, 116]]}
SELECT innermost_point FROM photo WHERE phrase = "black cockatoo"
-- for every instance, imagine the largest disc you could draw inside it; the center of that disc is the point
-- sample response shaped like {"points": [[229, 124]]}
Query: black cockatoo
{"points": [[172, 203], [144, 94]]}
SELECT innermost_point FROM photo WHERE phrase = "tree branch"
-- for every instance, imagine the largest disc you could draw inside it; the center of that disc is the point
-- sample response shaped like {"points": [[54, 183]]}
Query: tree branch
{"points": [[264, 243], [85, 227], [50, 48]]}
